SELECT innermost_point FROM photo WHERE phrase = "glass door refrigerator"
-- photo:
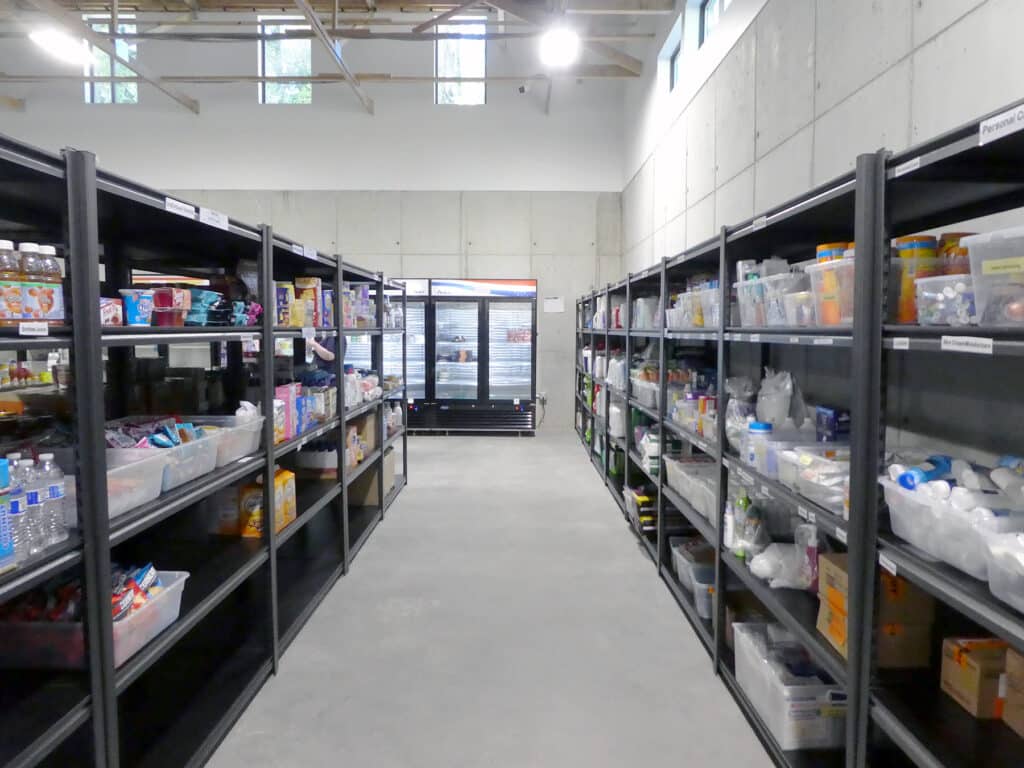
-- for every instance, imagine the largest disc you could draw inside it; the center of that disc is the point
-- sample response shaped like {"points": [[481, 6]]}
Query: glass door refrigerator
{"points": [[481, 357]]}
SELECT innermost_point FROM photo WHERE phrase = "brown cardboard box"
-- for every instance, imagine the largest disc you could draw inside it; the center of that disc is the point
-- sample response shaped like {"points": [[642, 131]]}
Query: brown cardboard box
{"points": [[971, 672], [832, 624], [899, 601], [898, 646], [368, 430], [1013, 709], [363, 492]]}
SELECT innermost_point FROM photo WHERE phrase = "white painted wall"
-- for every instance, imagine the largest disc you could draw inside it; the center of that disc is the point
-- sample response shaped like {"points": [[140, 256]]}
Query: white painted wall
{"points": [[568, 241], [409, 144], [786, 93]]}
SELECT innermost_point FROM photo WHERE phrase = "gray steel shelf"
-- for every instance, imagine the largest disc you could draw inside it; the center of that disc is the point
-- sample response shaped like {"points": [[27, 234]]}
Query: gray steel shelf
{"points": [[695, 518], [376, 516], [295, 333], [691, 437], [354, 473], [310, 502], [359, 410], [679, 335], [650, 412], [985, 340], [130, 336], [296, 443], [809, 337], [50, 562], [389, 499], [701, 627]]}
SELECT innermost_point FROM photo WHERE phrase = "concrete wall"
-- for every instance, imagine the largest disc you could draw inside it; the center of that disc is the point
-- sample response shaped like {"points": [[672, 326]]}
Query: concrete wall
{"points": [[409, 144], [568, 241], [786, 93]]}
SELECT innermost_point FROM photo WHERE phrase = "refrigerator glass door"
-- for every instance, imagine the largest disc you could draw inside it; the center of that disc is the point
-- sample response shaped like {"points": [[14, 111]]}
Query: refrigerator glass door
{"points": [[415, 358], [358, 352], [456, 351], [510, 345]]}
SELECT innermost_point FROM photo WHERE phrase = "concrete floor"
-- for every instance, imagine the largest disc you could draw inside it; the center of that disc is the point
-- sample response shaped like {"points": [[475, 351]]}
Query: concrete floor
{"points": [[501, 616]]}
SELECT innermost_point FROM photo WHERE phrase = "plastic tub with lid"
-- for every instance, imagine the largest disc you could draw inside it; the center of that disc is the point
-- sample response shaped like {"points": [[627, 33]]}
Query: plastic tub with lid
{"points": [[832, 284], [776, 289], [997, 270], [945, 300], [750, 297], [1005, 559]]}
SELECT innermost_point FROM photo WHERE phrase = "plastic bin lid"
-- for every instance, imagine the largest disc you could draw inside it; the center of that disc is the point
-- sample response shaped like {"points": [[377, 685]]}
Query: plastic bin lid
{"points": [[761, 427]]}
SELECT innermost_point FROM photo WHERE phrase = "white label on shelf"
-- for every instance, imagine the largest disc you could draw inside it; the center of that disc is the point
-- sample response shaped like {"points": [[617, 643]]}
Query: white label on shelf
{"points": [[755, 337], [301, 443], [976, 345], [34, 329], [901, 342], [766, 491], [308, 333], [182, 209], [309, 253], [298, 250], [1003, 124], [811, 517], [213, 218], [825, 341], [411, 400], [802, 511], [794, 339], [515, 401], [908, 167], [760, 223], [841, 534], [885, 562]]}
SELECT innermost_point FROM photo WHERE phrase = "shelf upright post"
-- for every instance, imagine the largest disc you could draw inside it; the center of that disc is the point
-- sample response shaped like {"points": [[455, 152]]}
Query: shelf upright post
{"points": [[377, 361], [266, 292], [629, 381], [83, 250], [339, 372], [405, 383], [723, 475], [607, 394], [662, 537], [867, 442]]}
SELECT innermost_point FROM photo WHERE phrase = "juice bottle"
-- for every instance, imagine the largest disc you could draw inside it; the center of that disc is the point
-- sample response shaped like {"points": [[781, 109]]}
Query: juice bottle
{"points": [[51, 292], [31, 281], [10, 285]]}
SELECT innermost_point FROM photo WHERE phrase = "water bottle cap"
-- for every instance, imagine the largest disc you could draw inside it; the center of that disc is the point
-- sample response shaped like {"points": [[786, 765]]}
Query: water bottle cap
{"points": [[6, 245], [29, 248], [13, 456], [47, 250], [759, 426]]}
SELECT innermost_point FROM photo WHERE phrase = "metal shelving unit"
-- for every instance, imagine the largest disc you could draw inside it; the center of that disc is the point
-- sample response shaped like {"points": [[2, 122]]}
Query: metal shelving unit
{"points": [[246, 598], [876, 369]]}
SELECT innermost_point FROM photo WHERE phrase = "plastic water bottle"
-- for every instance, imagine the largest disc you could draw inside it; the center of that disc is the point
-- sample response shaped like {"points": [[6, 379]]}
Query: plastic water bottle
{"points": [[6, 545], [35, 491], [20, 533], [51, 479]]}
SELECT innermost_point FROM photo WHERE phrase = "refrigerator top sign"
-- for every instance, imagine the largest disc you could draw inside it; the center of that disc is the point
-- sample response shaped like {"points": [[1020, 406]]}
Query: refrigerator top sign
{"points": [[417, 287], [493, 288]]}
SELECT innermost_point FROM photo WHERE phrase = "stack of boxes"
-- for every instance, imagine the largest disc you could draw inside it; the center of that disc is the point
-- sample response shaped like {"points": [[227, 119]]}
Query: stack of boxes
{"points": [[298, 409], [303, 304], [905, 615], [239, 511], [358, 310]]}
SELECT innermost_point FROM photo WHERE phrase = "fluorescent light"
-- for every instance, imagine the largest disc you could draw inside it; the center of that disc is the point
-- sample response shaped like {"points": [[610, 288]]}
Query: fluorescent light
{"points": [[62, 46], [559, 47]]}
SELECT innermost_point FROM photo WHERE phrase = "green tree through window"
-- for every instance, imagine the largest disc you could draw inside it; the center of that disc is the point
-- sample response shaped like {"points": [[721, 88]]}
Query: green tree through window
{"points": [[98, 92], [283, 57]]}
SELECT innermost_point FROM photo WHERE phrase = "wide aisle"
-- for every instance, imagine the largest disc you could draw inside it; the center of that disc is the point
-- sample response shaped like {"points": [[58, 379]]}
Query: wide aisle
{"points": [[502, 615]]}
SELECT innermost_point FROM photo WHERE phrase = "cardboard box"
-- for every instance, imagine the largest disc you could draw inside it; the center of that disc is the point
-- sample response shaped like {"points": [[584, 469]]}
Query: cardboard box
{"points": [[311, 289], [363, 492], [972, 671], [368, 430], [899, 601], [1013, 709]]}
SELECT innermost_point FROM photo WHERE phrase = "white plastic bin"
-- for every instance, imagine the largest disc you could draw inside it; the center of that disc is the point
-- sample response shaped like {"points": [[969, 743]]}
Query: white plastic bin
{"points": [[617, 420], [911, 516], [237, 438], [134, 477], [800, 712], [646, 392], [1005, 558], [690, 478], [189, 461], [961, 537], [694, 558], [824, 479], [61, 645], [776, 288], [832, 284], [750, 296], [997, 271], [704, 593], [646, 313]]}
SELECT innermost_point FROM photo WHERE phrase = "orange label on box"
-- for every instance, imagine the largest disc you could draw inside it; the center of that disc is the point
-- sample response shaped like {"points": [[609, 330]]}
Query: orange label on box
{"points": [[835, 598]]}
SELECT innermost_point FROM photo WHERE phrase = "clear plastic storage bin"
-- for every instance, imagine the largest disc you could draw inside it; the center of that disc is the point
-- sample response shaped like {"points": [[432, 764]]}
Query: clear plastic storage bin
{"points": [[800, 309], [961, 537], [997, 271], [704, 593], [646, 392], [694, 559], [685, 314], [776, 289], [910, 513], [750, 297], [801, 712], [823, 476], [1006, 568], [237, 438], [189, 461], [61, 645], [832, 284], [711, 306], [945, 300], [691, 478], [134, 477]]}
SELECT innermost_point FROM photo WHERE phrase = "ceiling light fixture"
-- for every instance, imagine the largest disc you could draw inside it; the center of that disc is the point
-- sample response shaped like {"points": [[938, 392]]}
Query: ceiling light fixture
{"points": [[62, 46], [559, 47]]}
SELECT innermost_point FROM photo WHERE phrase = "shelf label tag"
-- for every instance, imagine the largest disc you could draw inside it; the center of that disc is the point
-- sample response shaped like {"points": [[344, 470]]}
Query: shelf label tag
{"points": [[309, 253], [976, 345], [755, 338], [515, 401], [802, 512], [308, 333], [811, 517], [766, 491], [298, 250], [1000, 126], [908, 167], [760, 223], [825, 341], [181, 209], [901, 342], [886, 563], [213, 218], [794, 339], [34, 329], [841, 535]]}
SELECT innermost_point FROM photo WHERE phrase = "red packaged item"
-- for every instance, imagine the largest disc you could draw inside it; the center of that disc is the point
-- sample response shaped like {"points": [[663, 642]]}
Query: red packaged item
{"points": [[121, 603]]}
